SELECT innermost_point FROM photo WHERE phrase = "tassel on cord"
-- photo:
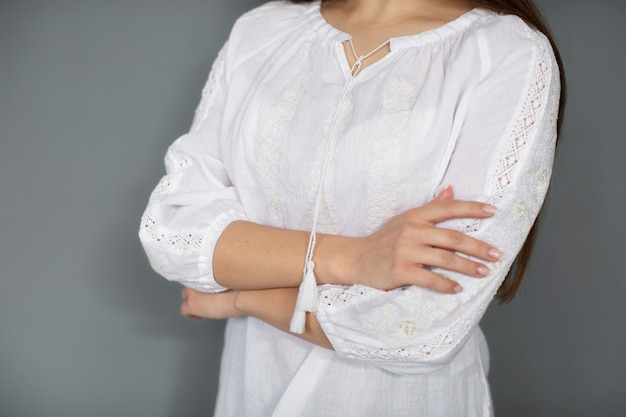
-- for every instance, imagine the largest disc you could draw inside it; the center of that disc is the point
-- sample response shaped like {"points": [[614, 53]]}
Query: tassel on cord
{"points": [[307, 300], [308, 289], [298, 321]]}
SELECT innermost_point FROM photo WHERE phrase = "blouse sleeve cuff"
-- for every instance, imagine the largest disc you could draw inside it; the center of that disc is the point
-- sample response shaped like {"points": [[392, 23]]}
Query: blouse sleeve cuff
{"points": [[207, 281]]}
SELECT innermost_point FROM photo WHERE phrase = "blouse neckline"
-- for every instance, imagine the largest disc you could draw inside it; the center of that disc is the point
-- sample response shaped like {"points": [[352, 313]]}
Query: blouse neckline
{"points": [[326, 31]]}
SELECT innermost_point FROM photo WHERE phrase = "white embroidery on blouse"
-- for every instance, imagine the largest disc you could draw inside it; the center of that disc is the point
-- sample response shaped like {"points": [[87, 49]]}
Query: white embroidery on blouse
{"points": [[382, 180], [327, 219], [209, 90], [187, 241], [336, 297], [274, 131]]}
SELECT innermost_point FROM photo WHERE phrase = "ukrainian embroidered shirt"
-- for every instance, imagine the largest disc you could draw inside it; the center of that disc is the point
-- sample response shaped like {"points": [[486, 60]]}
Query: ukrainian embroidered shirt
{"points": [[472, 104]]}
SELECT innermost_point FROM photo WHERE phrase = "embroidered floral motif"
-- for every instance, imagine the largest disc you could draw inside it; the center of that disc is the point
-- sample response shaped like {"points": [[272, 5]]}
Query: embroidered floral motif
{"points": [[543, 177], [520, 208], [552, 120], [273, 133], [408, 327], [382, 178], [209, 91]]}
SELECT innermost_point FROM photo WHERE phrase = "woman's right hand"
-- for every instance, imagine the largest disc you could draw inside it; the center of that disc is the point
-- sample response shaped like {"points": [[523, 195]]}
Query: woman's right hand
{"points": [[404, 249]]}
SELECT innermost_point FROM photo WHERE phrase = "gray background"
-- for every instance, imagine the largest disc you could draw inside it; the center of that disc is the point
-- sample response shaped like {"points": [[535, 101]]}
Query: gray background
{"points": [[91, 94]]}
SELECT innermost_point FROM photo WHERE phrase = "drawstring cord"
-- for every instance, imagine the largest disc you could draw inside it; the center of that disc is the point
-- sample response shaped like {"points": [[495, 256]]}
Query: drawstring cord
{"points": [[307, 294], [356, 67]]}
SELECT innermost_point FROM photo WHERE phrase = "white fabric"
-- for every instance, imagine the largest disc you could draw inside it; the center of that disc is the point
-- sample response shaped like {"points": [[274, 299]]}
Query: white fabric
{"points": [[472, 103]]}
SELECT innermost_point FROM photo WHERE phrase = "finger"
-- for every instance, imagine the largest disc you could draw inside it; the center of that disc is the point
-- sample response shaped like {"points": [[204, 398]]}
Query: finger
{"points": [[186, 311], [451, 261], [433, 281], [445, 194], [453, 240], [438, 211]]}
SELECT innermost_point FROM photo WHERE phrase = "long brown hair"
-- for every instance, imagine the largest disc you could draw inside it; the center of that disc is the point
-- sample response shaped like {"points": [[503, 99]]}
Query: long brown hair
{"points": [[529, 12]]}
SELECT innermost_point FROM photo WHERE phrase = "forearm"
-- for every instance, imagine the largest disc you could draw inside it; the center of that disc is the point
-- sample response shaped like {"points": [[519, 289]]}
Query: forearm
{"points": [[275, 307], [250, 256]]}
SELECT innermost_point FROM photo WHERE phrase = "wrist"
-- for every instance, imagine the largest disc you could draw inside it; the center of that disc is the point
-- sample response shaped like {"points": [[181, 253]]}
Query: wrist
{"points": [[336, 258], [241, 302]]}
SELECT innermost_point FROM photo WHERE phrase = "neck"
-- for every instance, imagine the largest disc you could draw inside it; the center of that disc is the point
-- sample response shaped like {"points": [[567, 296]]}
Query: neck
{"points": [[389, 11]]}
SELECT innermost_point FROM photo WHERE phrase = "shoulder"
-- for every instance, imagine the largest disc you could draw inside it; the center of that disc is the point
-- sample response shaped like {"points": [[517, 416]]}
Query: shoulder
{"points": [[505, 40], [273, 12], [507, 30], [264, 25]]}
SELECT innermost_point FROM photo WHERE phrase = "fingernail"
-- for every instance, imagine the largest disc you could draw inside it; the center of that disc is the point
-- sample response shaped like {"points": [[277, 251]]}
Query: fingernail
{"points": [[489, 209], [483, 271], [495, 254], [457, 289]]}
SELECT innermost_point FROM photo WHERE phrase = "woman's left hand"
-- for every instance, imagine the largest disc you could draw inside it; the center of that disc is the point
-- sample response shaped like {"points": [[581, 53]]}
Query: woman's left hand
{"points": [[273, 306], [201, 305]]}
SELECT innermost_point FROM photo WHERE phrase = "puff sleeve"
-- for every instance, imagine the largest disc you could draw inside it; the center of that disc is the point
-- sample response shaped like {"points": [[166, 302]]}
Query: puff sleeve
{"points": [[195, 201]]}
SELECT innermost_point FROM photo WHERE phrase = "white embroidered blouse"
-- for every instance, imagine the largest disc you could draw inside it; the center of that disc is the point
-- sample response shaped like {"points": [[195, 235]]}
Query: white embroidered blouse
{"points": [[472, 103]]}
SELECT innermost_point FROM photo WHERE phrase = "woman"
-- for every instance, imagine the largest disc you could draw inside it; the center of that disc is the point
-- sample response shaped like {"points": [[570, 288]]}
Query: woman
{"points": [[400, 151]]}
